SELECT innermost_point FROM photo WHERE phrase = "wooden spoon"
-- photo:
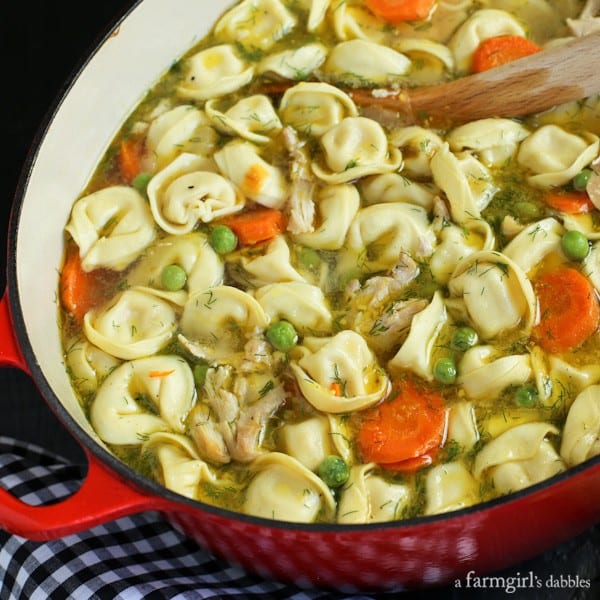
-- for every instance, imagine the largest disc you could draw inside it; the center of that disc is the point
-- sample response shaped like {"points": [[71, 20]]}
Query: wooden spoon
{"points": [[566, 72]]}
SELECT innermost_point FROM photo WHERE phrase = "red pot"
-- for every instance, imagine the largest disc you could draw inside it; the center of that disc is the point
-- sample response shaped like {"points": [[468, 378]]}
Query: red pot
{"points": [[425, 551]]}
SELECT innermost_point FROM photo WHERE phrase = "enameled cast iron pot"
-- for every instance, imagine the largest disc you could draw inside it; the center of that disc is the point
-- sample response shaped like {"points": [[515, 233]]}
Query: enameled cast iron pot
{"points": [[425, 551]]}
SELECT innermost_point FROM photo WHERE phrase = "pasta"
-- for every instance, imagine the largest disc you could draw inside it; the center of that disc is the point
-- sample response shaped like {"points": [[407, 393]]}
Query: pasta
{"points": [[302, 307]]}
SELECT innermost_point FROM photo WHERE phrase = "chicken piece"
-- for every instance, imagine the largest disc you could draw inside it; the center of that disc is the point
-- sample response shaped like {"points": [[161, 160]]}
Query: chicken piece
{"points": [[588, 21], [252, 424], [391, 327], [301, 207], [226, 427], [205, 432], [378, 289], [375, 314]]}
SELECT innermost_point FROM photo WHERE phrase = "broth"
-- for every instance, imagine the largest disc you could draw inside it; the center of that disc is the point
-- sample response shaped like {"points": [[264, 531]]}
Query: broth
{"points": [[280, 303]]}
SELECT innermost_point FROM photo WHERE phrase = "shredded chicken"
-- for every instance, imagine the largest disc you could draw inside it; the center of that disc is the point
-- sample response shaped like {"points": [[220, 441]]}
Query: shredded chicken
{"points": [[376, 290], [301, 207], [588, 21], [226, 427], [391, 327], [374, 313], [441, 214]]}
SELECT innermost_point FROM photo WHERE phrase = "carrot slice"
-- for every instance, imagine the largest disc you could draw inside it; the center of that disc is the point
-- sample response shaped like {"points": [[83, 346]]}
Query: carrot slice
{"points": [[496, 51], [395, 11], [409, 425], [257, 226], [76, 286], [130, 159], [572, 203], [410, 465], [569, 310], [160, 374]]}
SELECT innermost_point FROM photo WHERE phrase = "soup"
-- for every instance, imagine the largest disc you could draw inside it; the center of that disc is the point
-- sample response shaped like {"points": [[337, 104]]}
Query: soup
{"points": [[282, 303]]}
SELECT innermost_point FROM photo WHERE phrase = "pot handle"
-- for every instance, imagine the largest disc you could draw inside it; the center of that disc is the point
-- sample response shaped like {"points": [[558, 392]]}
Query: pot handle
{"points": [[10, 353], [102, 497]]}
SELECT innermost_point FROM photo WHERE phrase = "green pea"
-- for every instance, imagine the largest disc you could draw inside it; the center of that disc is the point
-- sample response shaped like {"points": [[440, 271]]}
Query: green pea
{"points": [[444, 370], [141, 181], [526, 396], [333, 471], [173, 278], [527, 210], [580, 180], [309, 259], [575, 245], [223, 239], [199, 372], [464, 338], [282, 335]]}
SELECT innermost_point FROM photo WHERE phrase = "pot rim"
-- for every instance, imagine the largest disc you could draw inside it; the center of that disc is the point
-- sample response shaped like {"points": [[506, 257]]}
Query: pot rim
{"points": [[132, 476]]}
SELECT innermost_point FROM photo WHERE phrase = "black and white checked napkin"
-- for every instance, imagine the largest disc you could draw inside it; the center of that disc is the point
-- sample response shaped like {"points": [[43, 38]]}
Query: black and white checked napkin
{"points": [[143, 557], [132, 558]]}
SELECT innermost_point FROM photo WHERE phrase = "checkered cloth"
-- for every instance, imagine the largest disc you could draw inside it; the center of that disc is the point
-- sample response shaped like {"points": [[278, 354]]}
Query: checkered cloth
{"points": [[138, 557]]}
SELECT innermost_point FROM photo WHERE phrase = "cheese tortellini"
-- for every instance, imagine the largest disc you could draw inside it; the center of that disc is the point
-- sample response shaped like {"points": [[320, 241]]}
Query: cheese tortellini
{"points": [[112, 227], [282, 297], [345, 360], [183, 193]]}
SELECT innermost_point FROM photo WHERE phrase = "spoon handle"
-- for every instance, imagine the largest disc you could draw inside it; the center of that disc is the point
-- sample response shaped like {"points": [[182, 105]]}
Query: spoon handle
{"points": [[567, 72]]}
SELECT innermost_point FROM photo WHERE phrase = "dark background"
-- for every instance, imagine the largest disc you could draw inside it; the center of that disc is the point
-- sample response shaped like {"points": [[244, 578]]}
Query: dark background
{"points": [[42, 45]]}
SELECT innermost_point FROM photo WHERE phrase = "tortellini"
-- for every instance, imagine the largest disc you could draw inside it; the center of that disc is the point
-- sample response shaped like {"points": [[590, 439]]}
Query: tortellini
{"points": [[191, 252], [337, 205], [302, 304], [380, 233], [369, 498], [581, 434], [395, 187], [112, 227], [536, 241], [344, 364], [214, 72], [352, 20], [240, 162], [450, 487], [181, 467], [357, 61], [520, 457], [308, 441], [417, 351], [252, 118], [284, 489], [256, 24], [314, 108], [494, 292], [418, 146], [430, 60], [555, 156], [353, 148], [181, 129], [273, 266], [218, 316], [466, 182], [296, 64], [493, 140], [481, 25], [88, 365], [134, 325], [183, 193], [483, 375], [166, 382]]}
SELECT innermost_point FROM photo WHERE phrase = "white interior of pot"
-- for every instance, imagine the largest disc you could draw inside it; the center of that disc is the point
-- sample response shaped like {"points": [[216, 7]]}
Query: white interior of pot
{"points": [[116, 78]]}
